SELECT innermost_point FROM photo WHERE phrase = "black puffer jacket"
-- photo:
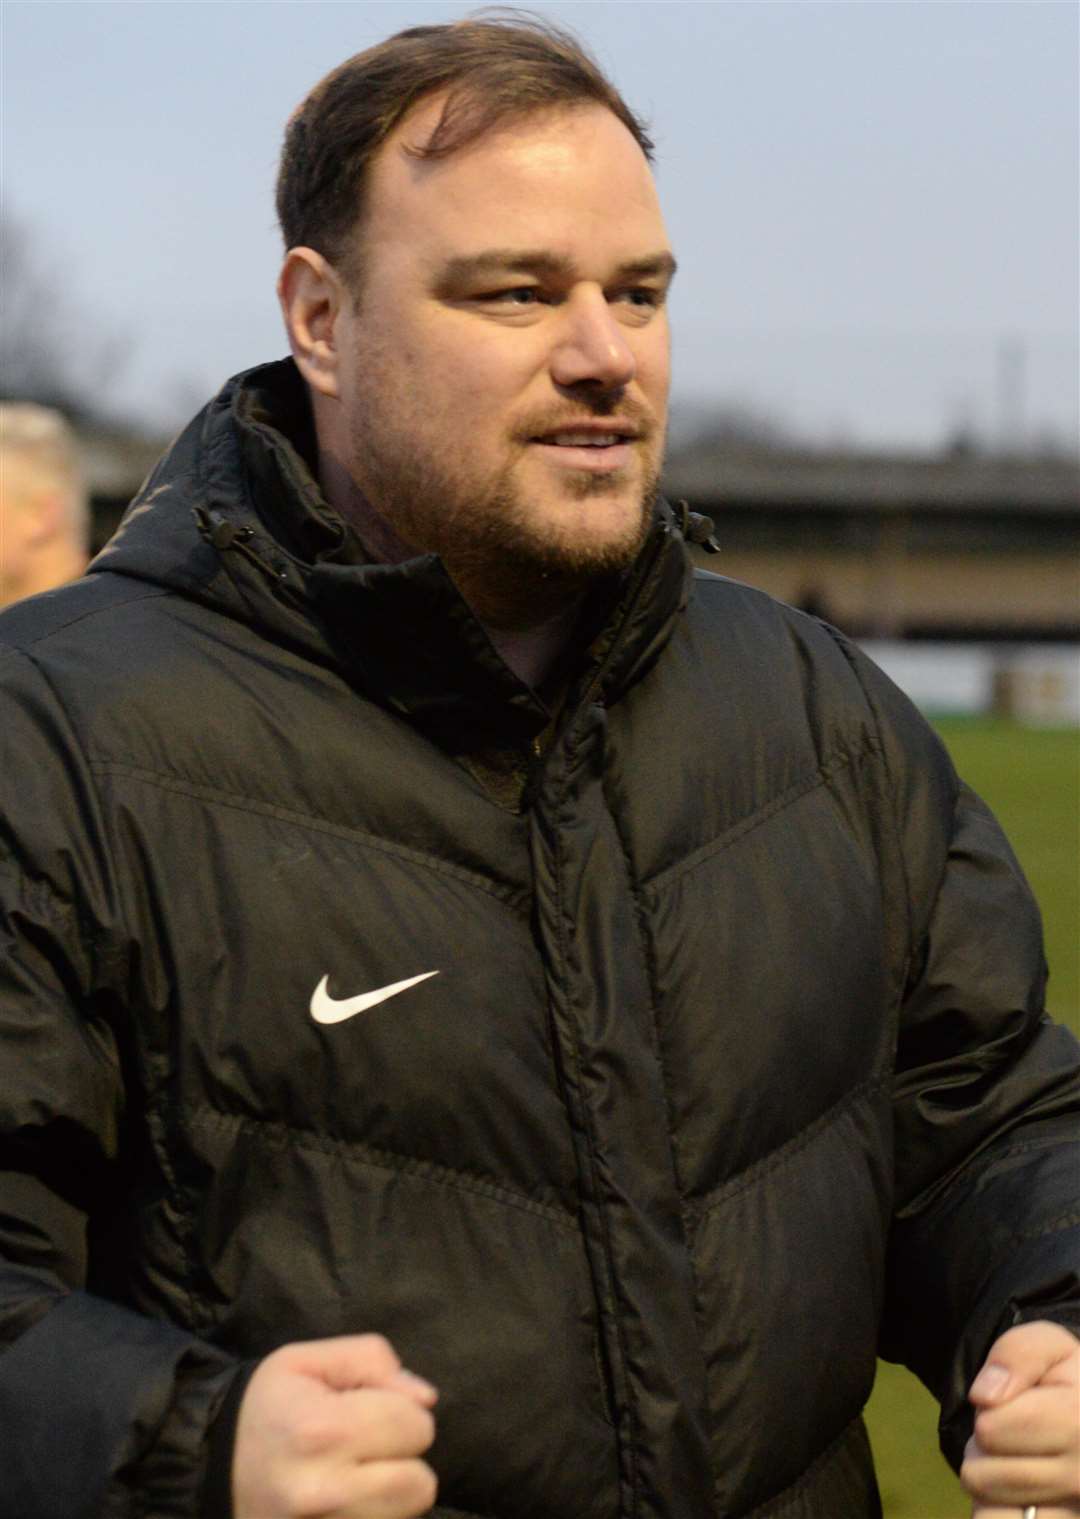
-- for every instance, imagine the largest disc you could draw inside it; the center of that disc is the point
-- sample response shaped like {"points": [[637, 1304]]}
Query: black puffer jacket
{"points": [[729, 1066]]}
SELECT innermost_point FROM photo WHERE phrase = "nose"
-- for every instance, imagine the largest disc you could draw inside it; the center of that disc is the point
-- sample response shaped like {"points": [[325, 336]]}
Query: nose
{"points": [[592, 347]]}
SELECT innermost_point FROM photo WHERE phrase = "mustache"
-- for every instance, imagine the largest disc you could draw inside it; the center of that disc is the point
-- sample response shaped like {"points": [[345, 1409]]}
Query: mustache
{"points": [[640, 420]]}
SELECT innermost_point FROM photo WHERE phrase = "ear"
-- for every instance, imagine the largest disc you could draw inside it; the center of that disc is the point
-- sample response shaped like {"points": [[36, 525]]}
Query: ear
{"points": [[313, 300]]}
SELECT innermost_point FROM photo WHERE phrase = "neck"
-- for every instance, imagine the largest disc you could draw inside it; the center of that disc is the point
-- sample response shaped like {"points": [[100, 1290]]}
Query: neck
{"points": [[529, 621], [378, 538], [533, 651]]}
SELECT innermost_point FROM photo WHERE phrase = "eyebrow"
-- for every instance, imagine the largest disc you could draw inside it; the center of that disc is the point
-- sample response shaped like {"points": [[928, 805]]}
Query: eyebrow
{"points": [[495, 261]]}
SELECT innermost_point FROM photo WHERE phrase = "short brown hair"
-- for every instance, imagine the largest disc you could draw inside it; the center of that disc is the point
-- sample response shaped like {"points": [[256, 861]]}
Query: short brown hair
{"points": [[495, 66]]}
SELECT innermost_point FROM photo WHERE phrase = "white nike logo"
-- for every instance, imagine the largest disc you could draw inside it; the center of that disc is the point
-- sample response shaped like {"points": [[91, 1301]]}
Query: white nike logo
{"points": [[327, 1009]]}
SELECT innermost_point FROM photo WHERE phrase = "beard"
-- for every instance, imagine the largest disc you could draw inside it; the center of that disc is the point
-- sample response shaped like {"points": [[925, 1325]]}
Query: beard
{"points": [[511, 559]]}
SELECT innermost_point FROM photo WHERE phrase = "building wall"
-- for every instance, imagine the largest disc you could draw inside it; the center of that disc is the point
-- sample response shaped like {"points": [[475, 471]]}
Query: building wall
{"points": [[888, 589]]}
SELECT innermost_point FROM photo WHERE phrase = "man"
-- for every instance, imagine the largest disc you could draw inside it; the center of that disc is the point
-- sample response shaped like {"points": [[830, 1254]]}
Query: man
{"points": [[44, 522], [444, 936]]}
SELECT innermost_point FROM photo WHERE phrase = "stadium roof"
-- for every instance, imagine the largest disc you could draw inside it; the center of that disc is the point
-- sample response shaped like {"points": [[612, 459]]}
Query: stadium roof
{"points": [[726, 475]]}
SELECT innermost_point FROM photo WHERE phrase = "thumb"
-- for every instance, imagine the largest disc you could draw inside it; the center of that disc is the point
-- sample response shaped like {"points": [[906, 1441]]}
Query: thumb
{"points": [[347, 1362], [1021, 1358]]}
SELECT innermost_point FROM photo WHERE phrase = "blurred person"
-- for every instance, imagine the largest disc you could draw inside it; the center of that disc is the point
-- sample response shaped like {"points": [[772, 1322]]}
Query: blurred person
{"points": [[44, 516], [453, 944]]}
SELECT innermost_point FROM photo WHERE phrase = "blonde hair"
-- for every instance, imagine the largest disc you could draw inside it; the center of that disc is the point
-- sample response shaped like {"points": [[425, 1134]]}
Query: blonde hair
{"points": [[42, 437]]}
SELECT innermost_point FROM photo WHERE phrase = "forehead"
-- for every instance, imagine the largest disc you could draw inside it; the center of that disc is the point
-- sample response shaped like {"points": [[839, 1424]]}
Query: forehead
{"points": [[565, 180]]}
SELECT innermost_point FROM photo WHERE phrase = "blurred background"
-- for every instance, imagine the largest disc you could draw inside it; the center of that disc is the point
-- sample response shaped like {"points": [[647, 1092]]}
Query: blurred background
{"points": [[875, 322]]}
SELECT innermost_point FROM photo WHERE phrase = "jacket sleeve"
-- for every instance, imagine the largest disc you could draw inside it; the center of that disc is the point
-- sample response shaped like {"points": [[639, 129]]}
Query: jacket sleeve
{"points": [[103, 1411], [986, 1229]]}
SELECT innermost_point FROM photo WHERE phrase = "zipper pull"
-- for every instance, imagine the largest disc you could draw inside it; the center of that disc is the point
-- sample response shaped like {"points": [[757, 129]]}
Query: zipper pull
{"points": [[697, 528], [219, 531]]}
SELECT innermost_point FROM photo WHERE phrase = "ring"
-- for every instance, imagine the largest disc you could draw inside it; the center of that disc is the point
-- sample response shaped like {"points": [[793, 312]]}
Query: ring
{"points": [[1032, 1511]]}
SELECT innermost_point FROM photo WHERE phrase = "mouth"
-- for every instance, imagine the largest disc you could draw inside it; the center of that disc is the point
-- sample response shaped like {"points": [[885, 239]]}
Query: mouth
{"points": [[605, 447]]}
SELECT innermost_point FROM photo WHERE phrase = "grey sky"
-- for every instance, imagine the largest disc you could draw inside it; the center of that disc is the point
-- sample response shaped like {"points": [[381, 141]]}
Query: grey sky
{"points": [[866, 198]]}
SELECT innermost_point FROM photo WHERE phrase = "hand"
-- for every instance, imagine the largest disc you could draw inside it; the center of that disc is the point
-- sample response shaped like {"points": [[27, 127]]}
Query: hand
{"points": [[334, 1429], [1026, 1445]]}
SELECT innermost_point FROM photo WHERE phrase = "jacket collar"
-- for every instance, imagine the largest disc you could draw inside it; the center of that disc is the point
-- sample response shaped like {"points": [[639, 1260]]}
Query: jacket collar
{"points": [[270, 550]]}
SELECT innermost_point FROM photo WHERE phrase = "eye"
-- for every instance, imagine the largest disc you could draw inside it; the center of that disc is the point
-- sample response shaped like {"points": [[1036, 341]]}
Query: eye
{"points": [[644, 296], [518, 295]]}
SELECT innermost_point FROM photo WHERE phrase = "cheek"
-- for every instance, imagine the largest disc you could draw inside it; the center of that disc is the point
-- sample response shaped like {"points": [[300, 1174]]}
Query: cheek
{"points": [[486, 365], [654, 364], [485, 396]]}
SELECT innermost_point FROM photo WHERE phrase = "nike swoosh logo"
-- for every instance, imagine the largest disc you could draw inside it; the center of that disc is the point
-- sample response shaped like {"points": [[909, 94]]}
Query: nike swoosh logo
{"points": [[327, 1009]]}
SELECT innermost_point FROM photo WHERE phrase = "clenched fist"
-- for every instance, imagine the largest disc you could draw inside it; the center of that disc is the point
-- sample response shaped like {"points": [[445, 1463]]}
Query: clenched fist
{"points": [[1025, 1452], [334, 1429]]}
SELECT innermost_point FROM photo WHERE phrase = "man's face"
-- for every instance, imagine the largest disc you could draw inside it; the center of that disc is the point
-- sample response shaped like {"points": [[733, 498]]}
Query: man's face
{"points": [[505, 372], [20, 508]]}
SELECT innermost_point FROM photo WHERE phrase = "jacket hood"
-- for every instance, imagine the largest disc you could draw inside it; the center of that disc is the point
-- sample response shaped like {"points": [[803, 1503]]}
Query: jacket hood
{"points": [[233, 517]]}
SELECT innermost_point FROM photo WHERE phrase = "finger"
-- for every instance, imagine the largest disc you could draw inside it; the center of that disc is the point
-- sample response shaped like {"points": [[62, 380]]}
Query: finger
{"points": [[417, 1388], [339, 1430], [1018, 1481], [381, 1425], [389, 1490], [1023, 1356], [980, 1511], [349, 1361], [1043, 1421]]}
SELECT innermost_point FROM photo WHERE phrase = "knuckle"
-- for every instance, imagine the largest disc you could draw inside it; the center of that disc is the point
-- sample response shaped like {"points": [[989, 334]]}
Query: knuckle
{"points": [[971, 1473], [377, 1349], [313, 1434], [428, 1484], [425, 1430], [420, 1486], [411, 1484], [986, 1431], [395, 1427]]}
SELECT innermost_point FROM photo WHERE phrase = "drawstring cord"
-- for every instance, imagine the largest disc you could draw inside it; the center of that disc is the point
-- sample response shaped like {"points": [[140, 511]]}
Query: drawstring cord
{"points": [[697, 528]]}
